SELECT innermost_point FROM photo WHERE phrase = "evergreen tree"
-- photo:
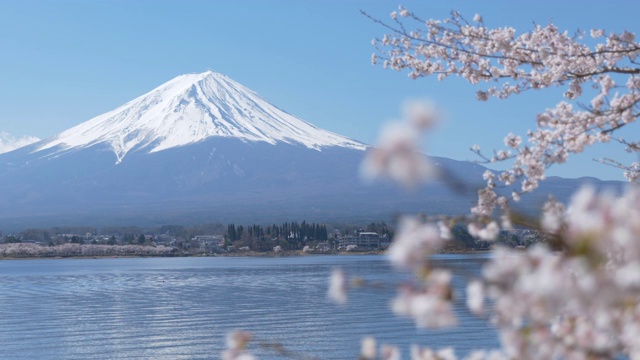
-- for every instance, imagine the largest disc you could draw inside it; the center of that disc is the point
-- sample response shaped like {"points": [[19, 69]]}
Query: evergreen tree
{"points": [[12, 239], [75, 239]]}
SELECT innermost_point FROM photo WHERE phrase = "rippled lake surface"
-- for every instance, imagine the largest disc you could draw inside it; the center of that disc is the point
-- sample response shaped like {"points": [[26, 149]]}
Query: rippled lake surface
{"points": [[182, 308]]}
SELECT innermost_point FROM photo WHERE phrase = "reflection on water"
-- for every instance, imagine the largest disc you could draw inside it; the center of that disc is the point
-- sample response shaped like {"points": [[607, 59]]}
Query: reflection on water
{"points": [[182, 308]]}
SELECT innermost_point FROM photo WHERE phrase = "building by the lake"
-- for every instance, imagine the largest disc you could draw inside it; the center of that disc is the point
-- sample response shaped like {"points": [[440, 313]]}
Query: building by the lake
{"points": [[365, 241]]}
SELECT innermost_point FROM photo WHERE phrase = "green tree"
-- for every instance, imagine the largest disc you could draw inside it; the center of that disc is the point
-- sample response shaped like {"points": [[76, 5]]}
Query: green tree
{"points": [[75, 239], [11, 239], [128, 238]]}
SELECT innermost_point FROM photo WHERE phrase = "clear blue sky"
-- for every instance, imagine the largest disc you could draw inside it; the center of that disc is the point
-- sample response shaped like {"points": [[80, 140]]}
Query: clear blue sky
{"points": [[64, 62]]}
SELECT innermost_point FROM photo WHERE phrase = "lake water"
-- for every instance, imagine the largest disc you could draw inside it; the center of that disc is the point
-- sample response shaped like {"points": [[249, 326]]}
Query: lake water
{"points": [[182, 308]]}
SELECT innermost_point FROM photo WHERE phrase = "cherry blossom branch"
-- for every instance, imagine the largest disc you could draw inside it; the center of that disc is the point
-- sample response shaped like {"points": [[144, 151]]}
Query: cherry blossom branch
{"points": [[537, 59]]}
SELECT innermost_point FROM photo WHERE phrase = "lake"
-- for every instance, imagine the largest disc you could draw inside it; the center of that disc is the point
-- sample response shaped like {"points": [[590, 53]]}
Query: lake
{"points": [[182, 308]]}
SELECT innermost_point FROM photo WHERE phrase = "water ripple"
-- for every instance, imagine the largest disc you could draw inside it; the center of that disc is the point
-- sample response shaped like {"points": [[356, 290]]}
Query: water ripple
{"points": [[182, 308]]}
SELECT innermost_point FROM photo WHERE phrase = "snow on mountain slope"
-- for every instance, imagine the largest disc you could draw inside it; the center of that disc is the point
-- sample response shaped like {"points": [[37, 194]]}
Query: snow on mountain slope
{"points": [[191, 108]]}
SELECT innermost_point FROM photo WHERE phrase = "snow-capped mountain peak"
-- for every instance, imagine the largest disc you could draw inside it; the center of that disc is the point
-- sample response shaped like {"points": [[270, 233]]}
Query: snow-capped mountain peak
{"points": [[189, 109]]}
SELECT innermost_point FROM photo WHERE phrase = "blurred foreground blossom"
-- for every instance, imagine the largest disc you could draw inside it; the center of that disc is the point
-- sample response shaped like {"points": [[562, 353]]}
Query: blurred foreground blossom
{"points": [[236, 345], [368, 349], [413, 243], [397, 154], [475, 297], [389, 352], [489, 232], [429, 306], [337, 287], [418, 353], [583, 301], [421, 114], [397, 157], [552, 216]]}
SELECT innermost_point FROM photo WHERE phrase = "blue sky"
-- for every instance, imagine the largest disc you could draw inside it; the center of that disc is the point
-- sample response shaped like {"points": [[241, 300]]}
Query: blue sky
{"points": [[65, 62]]}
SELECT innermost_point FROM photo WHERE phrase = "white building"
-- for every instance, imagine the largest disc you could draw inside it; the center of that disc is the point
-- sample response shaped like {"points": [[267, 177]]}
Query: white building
{"points": [[365, 241]]}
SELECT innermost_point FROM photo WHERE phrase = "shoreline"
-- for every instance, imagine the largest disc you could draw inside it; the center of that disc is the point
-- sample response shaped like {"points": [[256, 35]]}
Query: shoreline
{"points": [[248, 254]]}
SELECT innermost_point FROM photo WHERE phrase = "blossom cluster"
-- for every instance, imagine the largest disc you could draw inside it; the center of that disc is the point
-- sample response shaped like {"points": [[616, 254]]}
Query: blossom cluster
{"points": [[605, 77], [577, 296], [397, 154]]}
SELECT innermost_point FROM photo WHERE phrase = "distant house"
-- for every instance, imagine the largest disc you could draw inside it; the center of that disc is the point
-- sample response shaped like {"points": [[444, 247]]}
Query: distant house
{"points": [[208, 238], [165, 239], [365, 241], [209, 243]]}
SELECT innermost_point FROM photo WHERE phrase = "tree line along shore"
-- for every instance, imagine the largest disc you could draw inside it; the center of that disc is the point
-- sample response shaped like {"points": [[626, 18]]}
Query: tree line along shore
{"points": [[286, 239]]}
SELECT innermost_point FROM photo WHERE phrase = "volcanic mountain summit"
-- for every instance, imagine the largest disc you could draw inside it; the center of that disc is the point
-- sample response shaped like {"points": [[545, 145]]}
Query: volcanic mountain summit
{"points": [[191, 108]]}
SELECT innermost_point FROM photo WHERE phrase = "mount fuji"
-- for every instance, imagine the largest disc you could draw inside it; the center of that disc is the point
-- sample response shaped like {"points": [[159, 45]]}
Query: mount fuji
{"points": [[204, 148], [189, 109]]}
